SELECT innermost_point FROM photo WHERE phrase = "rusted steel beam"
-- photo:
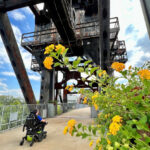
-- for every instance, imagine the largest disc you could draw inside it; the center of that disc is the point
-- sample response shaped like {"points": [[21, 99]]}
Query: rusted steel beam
{"points": [[104, 40], [15, 58], [14, 4]]}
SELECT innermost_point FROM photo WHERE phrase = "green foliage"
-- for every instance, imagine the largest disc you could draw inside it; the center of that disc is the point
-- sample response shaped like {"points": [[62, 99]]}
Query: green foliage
{"points": [[130, 101]]}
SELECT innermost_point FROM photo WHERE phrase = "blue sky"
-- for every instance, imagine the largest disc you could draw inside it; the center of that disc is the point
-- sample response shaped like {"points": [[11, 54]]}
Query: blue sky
{"points": [[132, 30]]}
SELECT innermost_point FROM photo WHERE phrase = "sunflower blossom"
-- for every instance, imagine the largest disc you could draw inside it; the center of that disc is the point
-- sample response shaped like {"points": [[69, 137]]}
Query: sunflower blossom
{"points": [[144, 74], [48, 62], [118, 66]]}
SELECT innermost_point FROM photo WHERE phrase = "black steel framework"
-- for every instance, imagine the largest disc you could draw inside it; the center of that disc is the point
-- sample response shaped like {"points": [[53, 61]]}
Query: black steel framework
{"points": [[83, 26]]}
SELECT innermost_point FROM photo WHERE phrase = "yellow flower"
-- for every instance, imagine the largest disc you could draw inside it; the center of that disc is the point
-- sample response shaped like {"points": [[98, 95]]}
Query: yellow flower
{"points": [[66, 88], [104, 72], [108, 141], [117, 119], [114, 127], [71, 129], [65, 130], [113, 96], [98, 125], [96, 106], [100, 74], [100, 148], [48, 62], [107, 115], [99, 114], [49, 48], [91, 143], [144, 74], [118, 66], [71, 123], [97, 141], [60, 47], [94, 96], [85, 100], [69, 88]]}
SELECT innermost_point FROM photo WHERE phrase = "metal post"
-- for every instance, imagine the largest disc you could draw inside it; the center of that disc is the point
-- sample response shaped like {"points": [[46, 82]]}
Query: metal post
{"points": [[2, 118], [9, 116], [104, 40], [15, 58], [22, 116], [47, 86]]}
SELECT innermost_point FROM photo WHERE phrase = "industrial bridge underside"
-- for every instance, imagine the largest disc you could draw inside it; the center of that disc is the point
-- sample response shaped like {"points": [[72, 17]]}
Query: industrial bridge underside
{"points": [[84, 26]]}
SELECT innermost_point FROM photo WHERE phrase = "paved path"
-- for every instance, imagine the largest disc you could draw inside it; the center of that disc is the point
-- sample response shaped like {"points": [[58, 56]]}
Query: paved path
{"points": [[55, 140]]}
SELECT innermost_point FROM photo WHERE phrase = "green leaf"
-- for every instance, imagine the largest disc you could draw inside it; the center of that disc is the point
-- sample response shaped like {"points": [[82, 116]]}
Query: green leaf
{"points": [[81, 69], [143, 120], [78, 134], [57, 64], [64, 53], [79, 125], [59, 51], [89, 128], [93, 69], [94, 131], [66, 60], [84, 135], [87, 62]]}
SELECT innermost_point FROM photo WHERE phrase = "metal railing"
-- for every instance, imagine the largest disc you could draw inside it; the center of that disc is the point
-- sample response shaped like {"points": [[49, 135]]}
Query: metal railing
{"points": [[12, 116], [82, 30]]}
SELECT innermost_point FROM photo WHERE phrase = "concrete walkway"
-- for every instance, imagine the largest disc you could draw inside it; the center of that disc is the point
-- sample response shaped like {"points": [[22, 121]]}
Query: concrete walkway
{"points": [[55, 140]]}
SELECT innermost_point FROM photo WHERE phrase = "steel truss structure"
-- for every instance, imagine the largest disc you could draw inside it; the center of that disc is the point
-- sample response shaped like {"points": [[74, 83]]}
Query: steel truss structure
{"points": [[84, 26]]}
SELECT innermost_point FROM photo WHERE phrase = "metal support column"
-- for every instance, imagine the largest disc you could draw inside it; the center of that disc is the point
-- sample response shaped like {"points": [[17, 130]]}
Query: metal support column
{"points": [[104, 40], [47, 86], [15, 58]]}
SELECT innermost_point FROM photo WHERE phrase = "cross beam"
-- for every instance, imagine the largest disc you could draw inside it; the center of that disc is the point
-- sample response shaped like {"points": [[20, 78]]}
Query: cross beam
{"points": [[14, 4]]}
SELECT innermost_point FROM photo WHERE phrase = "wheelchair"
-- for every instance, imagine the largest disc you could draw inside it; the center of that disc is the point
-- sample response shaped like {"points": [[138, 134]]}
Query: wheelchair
{"points": [[34, 130]]}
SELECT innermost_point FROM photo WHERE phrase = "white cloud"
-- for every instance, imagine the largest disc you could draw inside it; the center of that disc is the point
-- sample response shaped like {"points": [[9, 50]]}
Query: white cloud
{"points": [[12, 92], [35, 77], [3, 54], [3, 86], [8, 74], [17, 15], [130, 15]]}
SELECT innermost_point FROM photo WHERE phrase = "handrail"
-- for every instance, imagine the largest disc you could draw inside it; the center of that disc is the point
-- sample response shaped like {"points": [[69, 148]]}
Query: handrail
{"points": [[114, 23]]}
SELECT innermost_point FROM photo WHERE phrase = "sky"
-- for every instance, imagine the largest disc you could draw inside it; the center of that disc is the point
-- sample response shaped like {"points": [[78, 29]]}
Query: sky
{"points": [[132, 30]]}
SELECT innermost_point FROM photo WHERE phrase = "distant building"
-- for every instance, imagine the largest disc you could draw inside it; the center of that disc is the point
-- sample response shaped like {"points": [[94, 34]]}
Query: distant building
{"points": [[146, 11]]}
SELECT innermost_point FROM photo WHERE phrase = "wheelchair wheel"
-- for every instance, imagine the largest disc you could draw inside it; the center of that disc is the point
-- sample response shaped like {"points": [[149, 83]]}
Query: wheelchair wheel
{"points": [[44, 136], [21, 143], [31, 144]]}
